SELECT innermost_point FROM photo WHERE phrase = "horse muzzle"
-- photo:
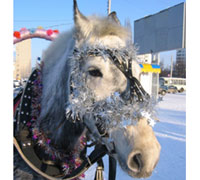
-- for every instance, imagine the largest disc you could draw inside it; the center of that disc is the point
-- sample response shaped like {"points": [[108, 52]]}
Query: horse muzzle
{"points": [[137, 149]]}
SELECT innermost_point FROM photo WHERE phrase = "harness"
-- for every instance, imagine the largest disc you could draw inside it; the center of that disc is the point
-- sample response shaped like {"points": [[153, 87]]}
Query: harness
{"points": [[24, 144]]}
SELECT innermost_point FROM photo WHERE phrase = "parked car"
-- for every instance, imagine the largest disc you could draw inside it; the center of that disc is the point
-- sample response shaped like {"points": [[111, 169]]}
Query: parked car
{"points": [[172, 89], [181, 90], [162, 90], [16, 83]]}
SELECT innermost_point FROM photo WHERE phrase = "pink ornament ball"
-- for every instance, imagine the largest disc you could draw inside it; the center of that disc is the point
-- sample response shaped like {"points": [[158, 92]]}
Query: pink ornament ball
{"points": [[49, 32]]}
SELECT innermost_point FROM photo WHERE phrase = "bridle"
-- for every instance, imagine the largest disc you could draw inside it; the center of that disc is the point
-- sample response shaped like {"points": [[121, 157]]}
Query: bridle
{"points": [[123, 61], [102, 145]]}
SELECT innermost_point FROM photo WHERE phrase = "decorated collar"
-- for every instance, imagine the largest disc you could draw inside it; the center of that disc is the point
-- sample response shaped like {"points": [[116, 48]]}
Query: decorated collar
{"points": [[30, 109]]}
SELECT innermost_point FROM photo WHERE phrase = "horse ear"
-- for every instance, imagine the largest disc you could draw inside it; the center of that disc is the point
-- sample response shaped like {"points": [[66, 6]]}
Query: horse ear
{"points": [[82, 23], [113, 17]]}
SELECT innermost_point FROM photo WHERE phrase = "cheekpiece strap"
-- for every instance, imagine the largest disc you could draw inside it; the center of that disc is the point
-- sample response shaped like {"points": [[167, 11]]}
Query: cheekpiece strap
{"points": [[126, 68]]}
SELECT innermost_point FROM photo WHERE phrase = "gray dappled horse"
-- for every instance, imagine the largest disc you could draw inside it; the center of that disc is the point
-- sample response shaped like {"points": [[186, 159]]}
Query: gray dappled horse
{"points": [[82, 90]]}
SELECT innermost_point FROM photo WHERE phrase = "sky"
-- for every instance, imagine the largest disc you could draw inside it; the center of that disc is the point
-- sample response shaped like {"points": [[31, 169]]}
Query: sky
{"points": [[58, 14]]}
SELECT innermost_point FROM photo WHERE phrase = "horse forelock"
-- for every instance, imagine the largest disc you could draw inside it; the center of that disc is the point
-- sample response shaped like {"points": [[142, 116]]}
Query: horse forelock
{"points": [[101, 30], [105, 27]]}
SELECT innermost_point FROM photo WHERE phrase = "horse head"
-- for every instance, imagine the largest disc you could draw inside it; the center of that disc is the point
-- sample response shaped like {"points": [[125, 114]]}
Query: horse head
{"points": [[88, 75]]}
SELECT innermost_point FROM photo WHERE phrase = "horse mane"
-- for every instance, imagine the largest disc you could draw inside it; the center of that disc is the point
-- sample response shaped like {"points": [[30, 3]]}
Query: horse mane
{"points": [[55, 80]]}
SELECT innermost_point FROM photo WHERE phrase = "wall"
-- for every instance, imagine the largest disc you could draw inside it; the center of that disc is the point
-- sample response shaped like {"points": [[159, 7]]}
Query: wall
{"points": [[22, 65]]}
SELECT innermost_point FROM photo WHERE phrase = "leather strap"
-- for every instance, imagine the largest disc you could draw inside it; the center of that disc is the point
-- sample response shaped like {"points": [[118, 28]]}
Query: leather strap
{"points": [[112, 168], [97, 154]]}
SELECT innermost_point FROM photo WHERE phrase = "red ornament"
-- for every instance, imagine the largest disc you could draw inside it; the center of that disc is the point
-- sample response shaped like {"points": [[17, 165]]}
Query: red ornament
{"points": [[49, 32], [56, 31], [16, 34]]}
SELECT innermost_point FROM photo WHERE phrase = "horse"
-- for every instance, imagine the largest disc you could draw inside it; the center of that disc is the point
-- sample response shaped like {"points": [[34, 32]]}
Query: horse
{"points": [[87, 89]]}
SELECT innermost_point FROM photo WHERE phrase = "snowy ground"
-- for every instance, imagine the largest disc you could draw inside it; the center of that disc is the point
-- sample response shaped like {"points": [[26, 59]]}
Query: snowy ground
{"points": [[171, 133]]}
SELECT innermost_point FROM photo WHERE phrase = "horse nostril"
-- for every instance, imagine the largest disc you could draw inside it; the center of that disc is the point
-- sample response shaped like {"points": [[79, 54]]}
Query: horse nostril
{"points": [[138, 160], [135, 162]]}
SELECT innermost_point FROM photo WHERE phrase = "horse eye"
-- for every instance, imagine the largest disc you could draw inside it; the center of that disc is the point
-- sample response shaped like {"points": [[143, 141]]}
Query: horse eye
{"points": [[95, 73]]}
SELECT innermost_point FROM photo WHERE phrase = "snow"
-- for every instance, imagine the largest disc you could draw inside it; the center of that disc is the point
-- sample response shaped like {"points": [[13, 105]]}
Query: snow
{"points": [[171, 133]]}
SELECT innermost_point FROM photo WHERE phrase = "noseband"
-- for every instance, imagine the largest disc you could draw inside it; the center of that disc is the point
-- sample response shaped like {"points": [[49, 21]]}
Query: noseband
{"points": [[123, 62]]}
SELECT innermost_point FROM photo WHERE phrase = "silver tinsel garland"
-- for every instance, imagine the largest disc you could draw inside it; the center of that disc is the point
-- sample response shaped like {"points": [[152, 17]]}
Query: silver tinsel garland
{"points": [[111, 112]]}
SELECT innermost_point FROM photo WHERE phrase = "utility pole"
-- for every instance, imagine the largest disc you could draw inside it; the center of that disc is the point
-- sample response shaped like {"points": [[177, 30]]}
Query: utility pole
{"points": [[109, 6], [171, 67]]}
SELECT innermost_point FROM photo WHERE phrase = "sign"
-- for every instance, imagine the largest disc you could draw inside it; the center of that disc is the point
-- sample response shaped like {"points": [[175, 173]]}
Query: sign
{"points": [[162, 31]]}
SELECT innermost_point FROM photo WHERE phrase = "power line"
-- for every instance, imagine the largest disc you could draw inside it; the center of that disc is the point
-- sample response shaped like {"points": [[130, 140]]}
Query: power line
{"points": [[43, 20], [58, 25]]}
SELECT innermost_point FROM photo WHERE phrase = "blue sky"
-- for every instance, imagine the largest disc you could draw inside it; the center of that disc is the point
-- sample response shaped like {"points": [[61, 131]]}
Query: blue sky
{"points": [[58, 14]]}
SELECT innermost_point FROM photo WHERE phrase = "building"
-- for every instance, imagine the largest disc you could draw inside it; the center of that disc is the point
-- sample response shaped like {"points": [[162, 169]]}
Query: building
{"points": [[150, 70], [22, 60], [180, 65]]}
